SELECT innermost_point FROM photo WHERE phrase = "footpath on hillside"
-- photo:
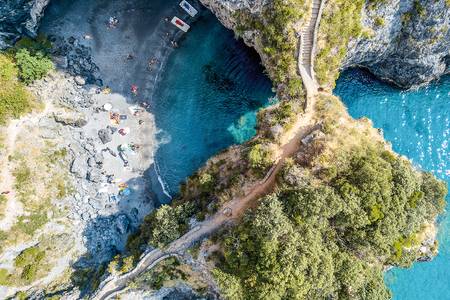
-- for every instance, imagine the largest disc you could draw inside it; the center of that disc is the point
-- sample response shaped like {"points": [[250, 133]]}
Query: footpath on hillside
{"points": [[237, 206]]}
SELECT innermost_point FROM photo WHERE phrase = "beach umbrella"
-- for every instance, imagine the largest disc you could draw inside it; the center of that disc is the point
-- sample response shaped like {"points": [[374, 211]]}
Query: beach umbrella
{"points": [[107, 106]]}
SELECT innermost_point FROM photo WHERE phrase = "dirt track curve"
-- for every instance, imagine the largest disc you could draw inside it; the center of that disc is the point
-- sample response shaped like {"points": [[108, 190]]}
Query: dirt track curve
{"points": [[302, 128]]}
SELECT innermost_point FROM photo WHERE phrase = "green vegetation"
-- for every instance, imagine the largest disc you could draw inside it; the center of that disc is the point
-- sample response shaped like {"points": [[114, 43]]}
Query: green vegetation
{"points": [[88, 278], [3, 201], [160, 227], [343, 208], [260, 157], [375, 3], [419, 8], [21, 295], [22, 174], [32, 66], [278, 42], [27, 265], [341, 21], [26, 62], [3, 276], [329, 239], [166, 271], [14, 99], [379, 21], [29, 260], [32, 58]]}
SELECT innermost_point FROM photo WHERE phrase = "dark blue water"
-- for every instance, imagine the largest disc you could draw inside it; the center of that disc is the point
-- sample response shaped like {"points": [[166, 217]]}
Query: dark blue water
{"points": [[417, 125], [206, 100]]}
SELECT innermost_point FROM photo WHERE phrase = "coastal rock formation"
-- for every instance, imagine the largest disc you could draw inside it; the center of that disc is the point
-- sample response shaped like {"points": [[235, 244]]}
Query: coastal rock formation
{"points": [[410, 44], [19, 17], [408, 41]]}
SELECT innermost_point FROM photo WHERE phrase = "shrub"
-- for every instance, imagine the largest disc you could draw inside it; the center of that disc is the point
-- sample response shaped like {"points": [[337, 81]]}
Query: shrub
{"points": [[160, 227], [14, 99], [30, 260], [260, 157], [4, 276], [32, 66], [29, 272], [330, 239], [32, 255], [379, 21], [341, 22], [127, 264], [21, 295], [419, 8]]}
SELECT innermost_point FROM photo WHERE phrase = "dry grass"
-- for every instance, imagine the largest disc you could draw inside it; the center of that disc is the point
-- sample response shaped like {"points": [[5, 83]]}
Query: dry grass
{"points": [[343, 133], [40, 178]]}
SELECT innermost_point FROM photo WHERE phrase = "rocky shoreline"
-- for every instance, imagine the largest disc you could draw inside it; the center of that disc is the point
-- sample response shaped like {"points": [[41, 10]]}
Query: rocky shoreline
{"points": [[107, 150], [399, 46]]}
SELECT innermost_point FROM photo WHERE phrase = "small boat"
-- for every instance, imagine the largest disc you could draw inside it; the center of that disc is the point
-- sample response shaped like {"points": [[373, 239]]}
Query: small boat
{"points": [[180, 24], [188, 8]]}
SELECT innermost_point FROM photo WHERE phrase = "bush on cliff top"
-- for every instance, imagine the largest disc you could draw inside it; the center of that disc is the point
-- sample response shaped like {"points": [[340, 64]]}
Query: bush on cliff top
{"points": [[341, 21]]}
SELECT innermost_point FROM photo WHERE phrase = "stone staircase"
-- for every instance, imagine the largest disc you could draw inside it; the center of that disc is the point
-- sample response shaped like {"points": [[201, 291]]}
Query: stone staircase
{"points": [[307, 40]]}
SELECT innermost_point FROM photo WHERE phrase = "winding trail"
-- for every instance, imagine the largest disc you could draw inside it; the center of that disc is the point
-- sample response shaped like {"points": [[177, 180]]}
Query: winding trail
{"points": [[236, 207]]}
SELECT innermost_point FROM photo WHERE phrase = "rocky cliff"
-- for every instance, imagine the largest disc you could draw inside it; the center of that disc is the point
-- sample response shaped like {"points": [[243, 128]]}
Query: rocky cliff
{"points": [[410, 42], [19, 17], [407, 41]]}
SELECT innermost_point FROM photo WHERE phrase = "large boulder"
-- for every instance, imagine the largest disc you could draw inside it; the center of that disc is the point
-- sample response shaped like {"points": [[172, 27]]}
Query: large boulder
{"points": [[79, 167], [71, 118], [105, 136]]}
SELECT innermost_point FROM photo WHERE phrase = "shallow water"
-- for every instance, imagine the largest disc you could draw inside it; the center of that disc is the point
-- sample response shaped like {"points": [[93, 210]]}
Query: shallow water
{"points": [[417, 125]]}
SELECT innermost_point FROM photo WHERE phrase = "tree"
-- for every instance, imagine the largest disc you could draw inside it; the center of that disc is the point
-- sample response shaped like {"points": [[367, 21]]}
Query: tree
{"points": [[32, 66]]}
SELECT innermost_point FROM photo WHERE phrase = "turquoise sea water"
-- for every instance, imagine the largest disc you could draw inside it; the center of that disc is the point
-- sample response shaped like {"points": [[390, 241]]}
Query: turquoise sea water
{"points": [[204, 96], [417, 123], [206, 100]]}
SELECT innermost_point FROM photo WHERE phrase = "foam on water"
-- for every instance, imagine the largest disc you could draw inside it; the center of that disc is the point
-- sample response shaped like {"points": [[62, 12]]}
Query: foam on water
{"points": [[206, 99], [417, 124]]}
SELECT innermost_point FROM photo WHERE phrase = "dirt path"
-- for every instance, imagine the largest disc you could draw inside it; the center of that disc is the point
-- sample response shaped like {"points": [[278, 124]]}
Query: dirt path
{"points": [[301, 128], [238, 206]]}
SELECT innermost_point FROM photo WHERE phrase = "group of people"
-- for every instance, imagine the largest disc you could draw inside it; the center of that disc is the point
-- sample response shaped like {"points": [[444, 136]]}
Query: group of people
{"points": [[113, 22]]}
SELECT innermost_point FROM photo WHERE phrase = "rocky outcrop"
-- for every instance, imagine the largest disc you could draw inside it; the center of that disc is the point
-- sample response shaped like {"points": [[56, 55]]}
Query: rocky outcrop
{"points": [[19, 17], [410, 42]]}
